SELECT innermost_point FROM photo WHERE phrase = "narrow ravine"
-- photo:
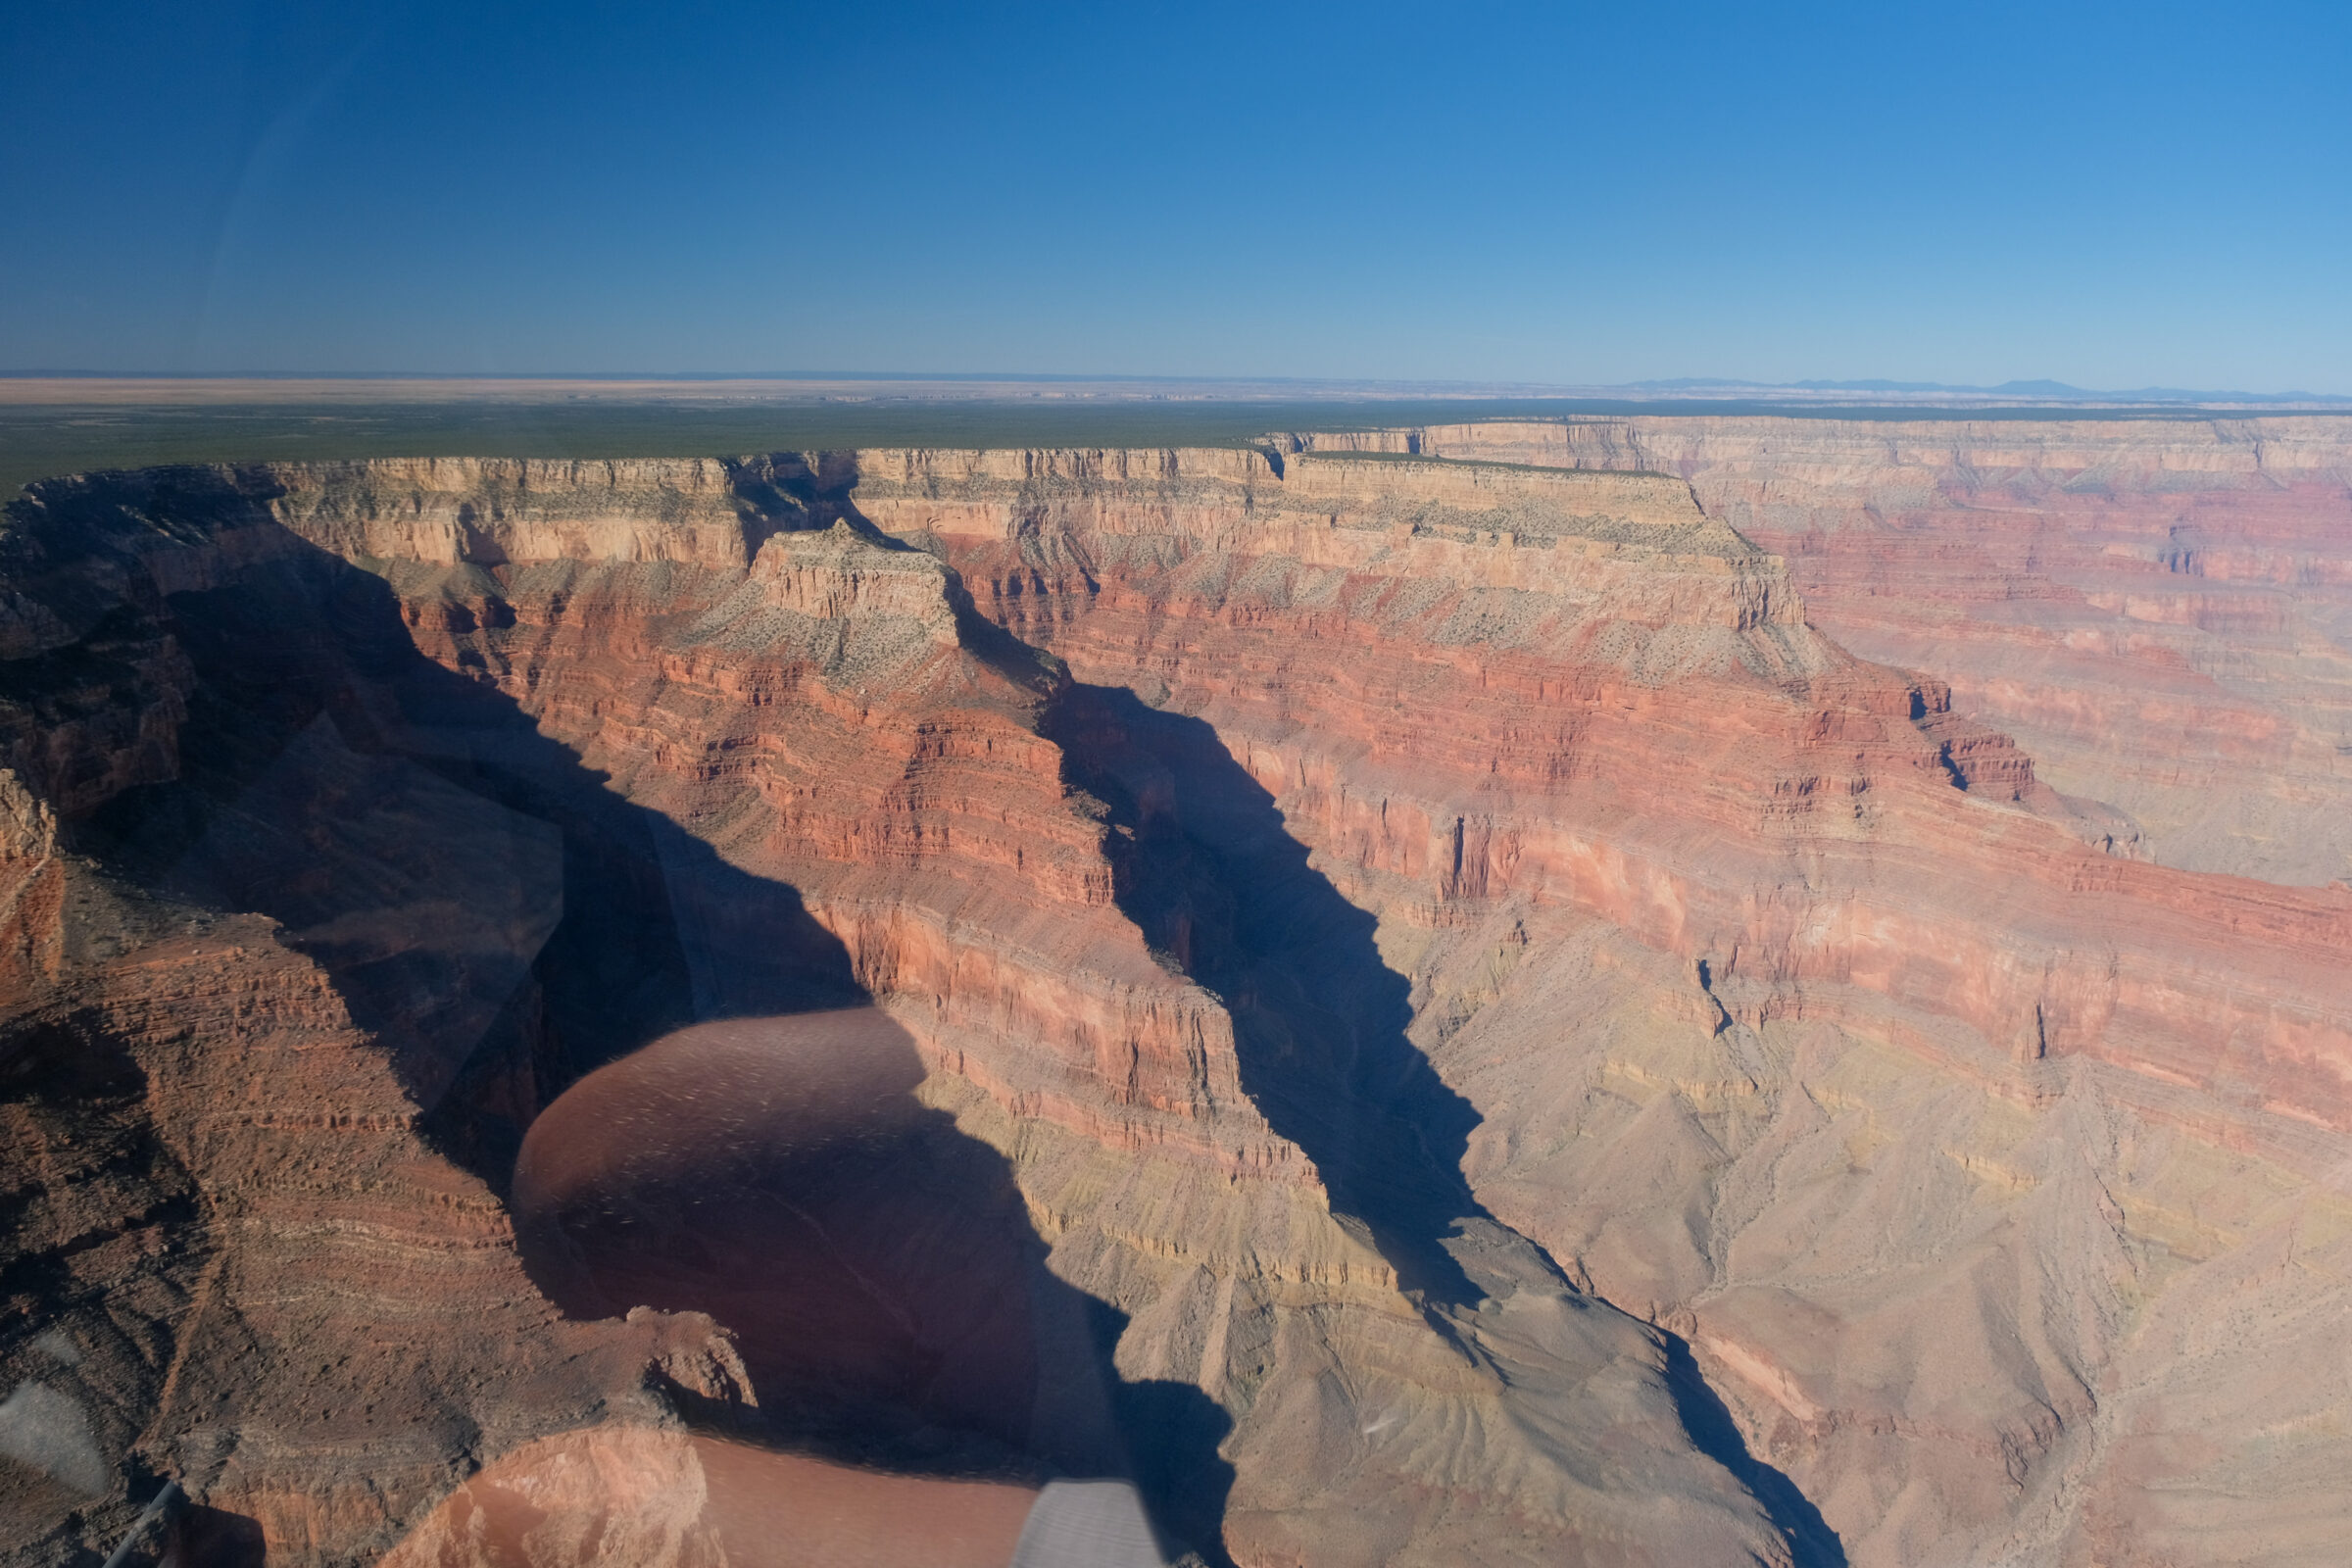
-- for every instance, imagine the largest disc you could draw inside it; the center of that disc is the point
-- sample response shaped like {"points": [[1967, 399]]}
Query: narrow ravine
{"points": [[1218, 883]]}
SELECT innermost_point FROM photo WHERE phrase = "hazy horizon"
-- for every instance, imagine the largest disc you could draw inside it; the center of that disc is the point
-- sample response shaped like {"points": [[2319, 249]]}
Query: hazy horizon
{"points": [[1370, 388]]}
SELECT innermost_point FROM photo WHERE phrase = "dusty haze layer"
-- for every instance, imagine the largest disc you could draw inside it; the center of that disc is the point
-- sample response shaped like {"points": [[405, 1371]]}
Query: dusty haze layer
{"points": [[1543, 1050]]}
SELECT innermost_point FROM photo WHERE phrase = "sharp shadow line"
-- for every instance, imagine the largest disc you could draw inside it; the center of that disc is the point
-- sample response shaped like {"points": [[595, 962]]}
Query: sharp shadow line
{"points": [[1811, 1541], [657, 931], [1215, 880], [1217, 883]]}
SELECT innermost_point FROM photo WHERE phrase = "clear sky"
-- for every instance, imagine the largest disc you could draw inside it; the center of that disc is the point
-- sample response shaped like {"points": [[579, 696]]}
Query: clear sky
{"points": [[2109, 194]]}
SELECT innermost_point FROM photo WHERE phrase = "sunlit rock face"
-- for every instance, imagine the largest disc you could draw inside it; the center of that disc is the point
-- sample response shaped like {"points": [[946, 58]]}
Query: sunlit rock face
{"points": [[1499, 1035], [2156, 607], [399, 795], [1797, 1011]]}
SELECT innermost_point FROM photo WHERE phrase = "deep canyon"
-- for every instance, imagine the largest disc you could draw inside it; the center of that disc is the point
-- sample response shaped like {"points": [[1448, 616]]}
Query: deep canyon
{"points": [[1663, 990]]}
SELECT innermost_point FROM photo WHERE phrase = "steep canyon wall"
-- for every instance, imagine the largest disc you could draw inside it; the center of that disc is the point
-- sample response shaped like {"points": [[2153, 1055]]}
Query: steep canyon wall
{"points": [[2157, 608], [529, 764], [1537, 1043], [1798, 1012]]}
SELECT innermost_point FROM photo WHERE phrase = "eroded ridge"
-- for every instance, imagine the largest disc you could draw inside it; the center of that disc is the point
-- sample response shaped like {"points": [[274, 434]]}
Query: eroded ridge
{"points": [[511, 768], [1800, 1014], [1379, 907], [2157, 608]]}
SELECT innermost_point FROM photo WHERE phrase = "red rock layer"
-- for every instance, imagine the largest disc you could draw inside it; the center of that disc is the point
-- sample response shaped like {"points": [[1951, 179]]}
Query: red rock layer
{"points": [[1670, 748], [231, 1254], [815, 718], [1800, 1014], [739, 717], [826, 715], [2156, 607]]}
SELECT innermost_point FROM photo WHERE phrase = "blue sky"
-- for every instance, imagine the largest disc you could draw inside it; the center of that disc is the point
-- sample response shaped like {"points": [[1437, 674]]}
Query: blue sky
{"points": [[2109, 194]]}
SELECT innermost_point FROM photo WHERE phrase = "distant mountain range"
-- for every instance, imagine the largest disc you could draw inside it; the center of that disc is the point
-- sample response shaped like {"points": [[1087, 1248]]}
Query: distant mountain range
{"points": [[2007, 389]]}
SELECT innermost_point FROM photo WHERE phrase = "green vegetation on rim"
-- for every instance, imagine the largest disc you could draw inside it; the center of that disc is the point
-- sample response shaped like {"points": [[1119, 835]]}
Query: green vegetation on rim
{"points": [[37, 440]]}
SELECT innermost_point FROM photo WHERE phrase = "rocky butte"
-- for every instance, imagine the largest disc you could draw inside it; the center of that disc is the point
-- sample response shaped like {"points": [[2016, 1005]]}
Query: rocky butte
{"points": [[1514, 984]]}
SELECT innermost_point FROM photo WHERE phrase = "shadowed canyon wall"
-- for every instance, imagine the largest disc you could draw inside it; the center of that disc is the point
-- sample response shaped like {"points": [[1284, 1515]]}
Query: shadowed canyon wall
{"points": [[1795, 1012], [520, 767], [262, 943], [1387, 915]]}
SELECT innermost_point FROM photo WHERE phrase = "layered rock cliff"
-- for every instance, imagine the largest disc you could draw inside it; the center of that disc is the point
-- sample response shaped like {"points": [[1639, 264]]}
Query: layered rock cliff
{"points": [[1383, 913], [1790, 1010], [248, 950], [459, 779], [2156, 607]]}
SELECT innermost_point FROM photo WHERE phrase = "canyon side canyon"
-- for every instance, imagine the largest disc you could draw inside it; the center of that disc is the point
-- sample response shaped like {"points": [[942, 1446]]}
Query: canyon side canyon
{"points": [[1664, 990]]}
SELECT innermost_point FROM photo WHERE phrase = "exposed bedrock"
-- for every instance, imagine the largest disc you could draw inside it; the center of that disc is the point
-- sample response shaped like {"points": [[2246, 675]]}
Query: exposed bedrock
{"points": [[2160, 609], [1209, 874], [366, 807], [1790, 1009], [238, 1249], [1381, 916]]}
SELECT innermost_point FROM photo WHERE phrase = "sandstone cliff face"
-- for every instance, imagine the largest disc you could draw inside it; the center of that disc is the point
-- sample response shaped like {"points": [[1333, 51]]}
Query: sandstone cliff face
{"points": [[829, 717], [2155, 608], [400, 794], [1407, 906], [1792, 1011]]}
